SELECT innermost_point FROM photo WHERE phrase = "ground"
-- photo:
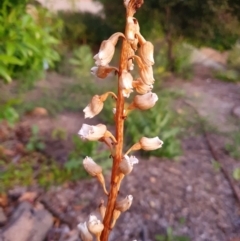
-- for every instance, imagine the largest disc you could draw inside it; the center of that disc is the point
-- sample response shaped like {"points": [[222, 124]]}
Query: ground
{"points": [[191, 195]]}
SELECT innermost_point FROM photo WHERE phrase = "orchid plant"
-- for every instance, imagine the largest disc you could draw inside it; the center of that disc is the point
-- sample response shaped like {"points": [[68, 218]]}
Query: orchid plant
{"points": [[134, 49]]}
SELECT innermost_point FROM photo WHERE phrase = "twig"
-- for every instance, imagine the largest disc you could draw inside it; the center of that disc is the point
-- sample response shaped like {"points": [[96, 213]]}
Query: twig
{"points": [[215, 156]]}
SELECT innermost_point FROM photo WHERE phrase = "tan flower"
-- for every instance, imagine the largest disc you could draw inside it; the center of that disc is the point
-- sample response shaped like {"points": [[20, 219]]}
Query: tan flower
{"points": [[146, 50], [126, 80], [107, 50], [124, 204], [84, 233], [132, 28], [145, 71], [91, 166], [92, 133], [126, 165], [140, 87], [144, 102], [95, 226], [94, 107], [103, 71], [94, 170], [147, 144]]}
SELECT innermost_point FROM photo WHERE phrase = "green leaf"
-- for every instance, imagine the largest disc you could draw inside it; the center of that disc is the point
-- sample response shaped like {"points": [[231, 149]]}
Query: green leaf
{"points": [[7, 59]]}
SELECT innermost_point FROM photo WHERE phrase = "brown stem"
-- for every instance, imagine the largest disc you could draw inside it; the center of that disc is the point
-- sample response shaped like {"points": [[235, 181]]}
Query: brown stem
{"points": [[115, 178]]}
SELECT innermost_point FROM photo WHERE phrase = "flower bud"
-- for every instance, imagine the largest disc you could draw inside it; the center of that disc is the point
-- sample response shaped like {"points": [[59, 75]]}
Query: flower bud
{"points": [[92, 133], [149, 144], [126, 165], [91, 166], [126, 80], [107, 50], [144, 102], [102, 209], [94, 107], [95, 226], [84, 233], [140, 87], [124, 204], [116, 215]]}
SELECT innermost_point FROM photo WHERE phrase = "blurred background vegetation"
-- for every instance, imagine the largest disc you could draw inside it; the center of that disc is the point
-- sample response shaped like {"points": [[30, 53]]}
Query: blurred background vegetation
{"points": [[35, 41]]}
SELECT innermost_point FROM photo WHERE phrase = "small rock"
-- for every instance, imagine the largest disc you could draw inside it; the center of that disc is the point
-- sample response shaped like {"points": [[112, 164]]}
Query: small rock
{"points": [[3, 217], [189, 188]]}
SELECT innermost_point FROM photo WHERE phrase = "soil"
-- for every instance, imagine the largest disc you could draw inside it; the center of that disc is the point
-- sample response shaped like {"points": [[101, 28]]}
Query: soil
{"points": [[190, 195]]}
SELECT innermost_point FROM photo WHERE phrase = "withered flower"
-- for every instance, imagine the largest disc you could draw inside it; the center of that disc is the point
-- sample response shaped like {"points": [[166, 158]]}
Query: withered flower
{"points": [[92, 133], [126, 80], [95, 226], [94, 170], [146, 50], [124, 204], [146, 72], [126, 165], [141, 87], [143, 102], [107, 50], [132, 29], [147, 144], [84, 233], [103, 71]]}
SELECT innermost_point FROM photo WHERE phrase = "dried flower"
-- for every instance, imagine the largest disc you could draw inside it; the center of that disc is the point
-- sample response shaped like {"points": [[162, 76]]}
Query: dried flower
{"points": [[126, 2], [124, 204], [103, 71], [94, 107], [92, 133], [140, 87], [102, 209], [126, 165], [146, 72], [107, 50], [147, 144], [146, 50], [95, 226], [143, 102], [95, 170], [84, 233], [126, 80], [91, 166], [132, 29]]}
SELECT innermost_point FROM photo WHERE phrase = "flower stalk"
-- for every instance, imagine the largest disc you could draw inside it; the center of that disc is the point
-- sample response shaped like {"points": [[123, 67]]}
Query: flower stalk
{"points": [[122, 163]]}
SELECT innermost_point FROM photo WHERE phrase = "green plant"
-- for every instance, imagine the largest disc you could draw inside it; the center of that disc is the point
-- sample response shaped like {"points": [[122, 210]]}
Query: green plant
{"points": [[170, 236], [82, 60], [233, 146], [236, 174], [26, 47], [228, 75], [161, 121], [35, 141], [8, 112]]}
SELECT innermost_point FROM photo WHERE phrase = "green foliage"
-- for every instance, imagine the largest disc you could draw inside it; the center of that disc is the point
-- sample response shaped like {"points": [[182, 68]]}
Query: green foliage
{"points": [[158, 121], [8, 112], [83, 28], [82, 60], [228, 75], [233, 147], [170, 236], [35, 142], [236, 174], [26, 46]]}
